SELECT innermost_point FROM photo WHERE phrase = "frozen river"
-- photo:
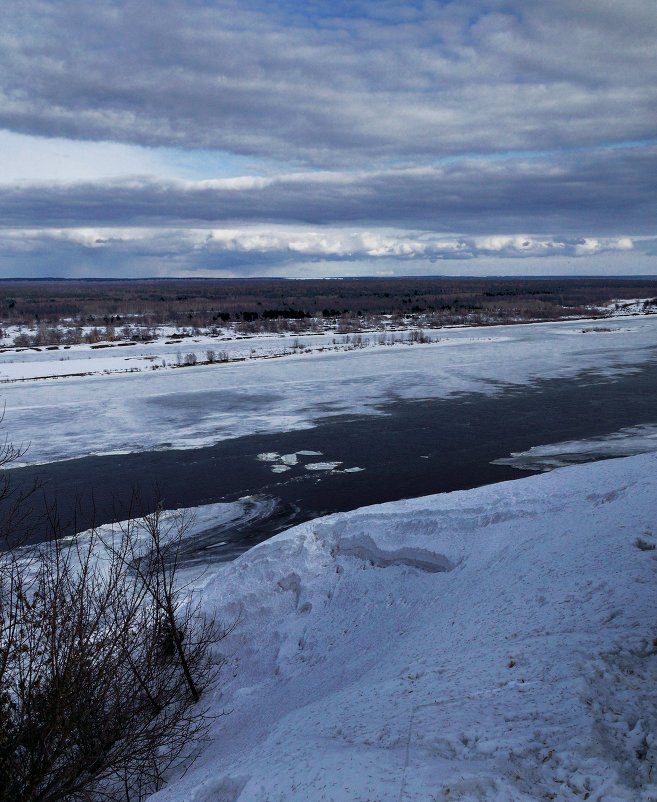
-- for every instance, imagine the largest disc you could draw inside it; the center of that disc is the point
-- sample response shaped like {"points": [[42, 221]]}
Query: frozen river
{"points": [[195, 407], [322, 434]]}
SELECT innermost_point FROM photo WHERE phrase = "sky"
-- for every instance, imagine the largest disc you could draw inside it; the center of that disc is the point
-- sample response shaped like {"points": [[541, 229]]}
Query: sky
{"points": [[326, 138]]}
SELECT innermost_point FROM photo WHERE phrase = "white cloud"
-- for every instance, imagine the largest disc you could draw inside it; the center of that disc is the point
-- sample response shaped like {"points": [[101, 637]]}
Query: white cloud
{"points": [[519, 245], [328, 243], [591, 245]]}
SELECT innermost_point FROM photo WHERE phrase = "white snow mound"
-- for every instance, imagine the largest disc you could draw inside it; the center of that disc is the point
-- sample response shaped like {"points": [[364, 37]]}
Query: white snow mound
{"points": [[491, 645]]}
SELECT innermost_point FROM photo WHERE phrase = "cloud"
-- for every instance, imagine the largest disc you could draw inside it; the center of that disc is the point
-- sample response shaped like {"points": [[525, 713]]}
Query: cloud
{"points": [[592, 245], [307, 252], [375, 132], [284, 243], [575, 195], [313, 84]]}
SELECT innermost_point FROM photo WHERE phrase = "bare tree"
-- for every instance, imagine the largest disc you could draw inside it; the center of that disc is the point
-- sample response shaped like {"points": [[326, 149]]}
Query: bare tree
{"points": [[104, 658], [15, 512]]}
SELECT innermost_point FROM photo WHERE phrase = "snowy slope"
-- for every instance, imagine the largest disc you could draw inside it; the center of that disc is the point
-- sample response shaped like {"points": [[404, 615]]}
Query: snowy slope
{"points": [[495, 644]]}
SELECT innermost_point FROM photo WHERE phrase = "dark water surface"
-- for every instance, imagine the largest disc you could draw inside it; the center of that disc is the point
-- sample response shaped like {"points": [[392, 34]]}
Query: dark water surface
{"points": [[412, 449]]}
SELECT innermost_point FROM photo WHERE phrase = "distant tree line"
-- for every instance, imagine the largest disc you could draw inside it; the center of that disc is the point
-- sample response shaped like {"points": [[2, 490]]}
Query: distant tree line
{"points": [[104, 305]]}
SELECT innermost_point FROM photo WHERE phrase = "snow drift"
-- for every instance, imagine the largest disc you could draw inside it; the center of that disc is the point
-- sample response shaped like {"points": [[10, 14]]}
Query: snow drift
{"points": [[496, 644]]}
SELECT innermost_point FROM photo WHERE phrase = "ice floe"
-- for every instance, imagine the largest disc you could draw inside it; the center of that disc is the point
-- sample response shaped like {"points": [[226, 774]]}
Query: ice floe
{"points": [[281, 463], [623, 443]]}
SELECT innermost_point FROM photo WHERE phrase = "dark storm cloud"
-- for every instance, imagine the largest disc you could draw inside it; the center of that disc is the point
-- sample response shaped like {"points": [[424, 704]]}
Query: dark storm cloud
{"points": [[331, 83], [580, 194]]}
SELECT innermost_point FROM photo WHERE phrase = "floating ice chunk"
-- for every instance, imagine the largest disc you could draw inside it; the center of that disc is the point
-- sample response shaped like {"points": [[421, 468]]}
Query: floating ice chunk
{"points": [[286, 461], [269, 456], [322, 466], [351, 470]]}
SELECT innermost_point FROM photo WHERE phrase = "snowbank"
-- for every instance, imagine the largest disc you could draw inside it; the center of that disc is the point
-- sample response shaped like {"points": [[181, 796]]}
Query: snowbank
{"points": [[495, 644]]}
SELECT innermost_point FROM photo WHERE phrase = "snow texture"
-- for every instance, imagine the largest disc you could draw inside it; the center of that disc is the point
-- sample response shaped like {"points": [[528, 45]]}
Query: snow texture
{"points": [[491, 645]]}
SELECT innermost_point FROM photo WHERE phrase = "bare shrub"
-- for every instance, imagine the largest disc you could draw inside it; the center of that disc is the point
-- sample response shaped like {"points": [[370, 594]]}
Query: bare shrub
{"points": [[418, 336], [104, 659]]}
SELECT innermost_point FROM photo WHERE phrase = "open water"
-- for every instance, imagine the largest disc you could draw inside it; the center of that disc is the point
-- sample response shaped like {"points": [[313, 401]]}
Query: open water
{"points": [[412, 449]]}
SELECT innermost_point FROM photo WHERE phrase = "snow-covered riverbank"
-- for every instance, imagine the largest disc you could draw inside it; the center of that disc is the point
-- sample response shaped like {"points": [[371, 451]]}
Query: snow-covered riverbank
{"points": [[493, 645]]}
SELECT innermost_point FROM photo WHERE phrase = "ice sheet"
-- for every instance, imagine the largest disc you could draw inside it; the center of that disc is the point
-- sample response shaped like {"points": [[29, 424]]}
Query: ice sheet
{"points": [[623, 443]]}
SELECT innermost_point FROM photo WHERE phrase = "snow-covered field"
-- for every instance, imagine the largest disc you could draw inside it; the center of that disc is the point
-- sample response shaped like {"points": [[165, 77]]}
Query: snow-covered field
{"points": [[492, 645], [192, 407]]}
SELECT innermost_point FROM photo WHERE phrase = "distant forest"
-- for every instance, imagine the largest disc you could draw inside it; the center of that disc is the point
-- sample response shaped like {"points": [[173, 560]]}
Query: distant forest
{"points": [[270, 304]]}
